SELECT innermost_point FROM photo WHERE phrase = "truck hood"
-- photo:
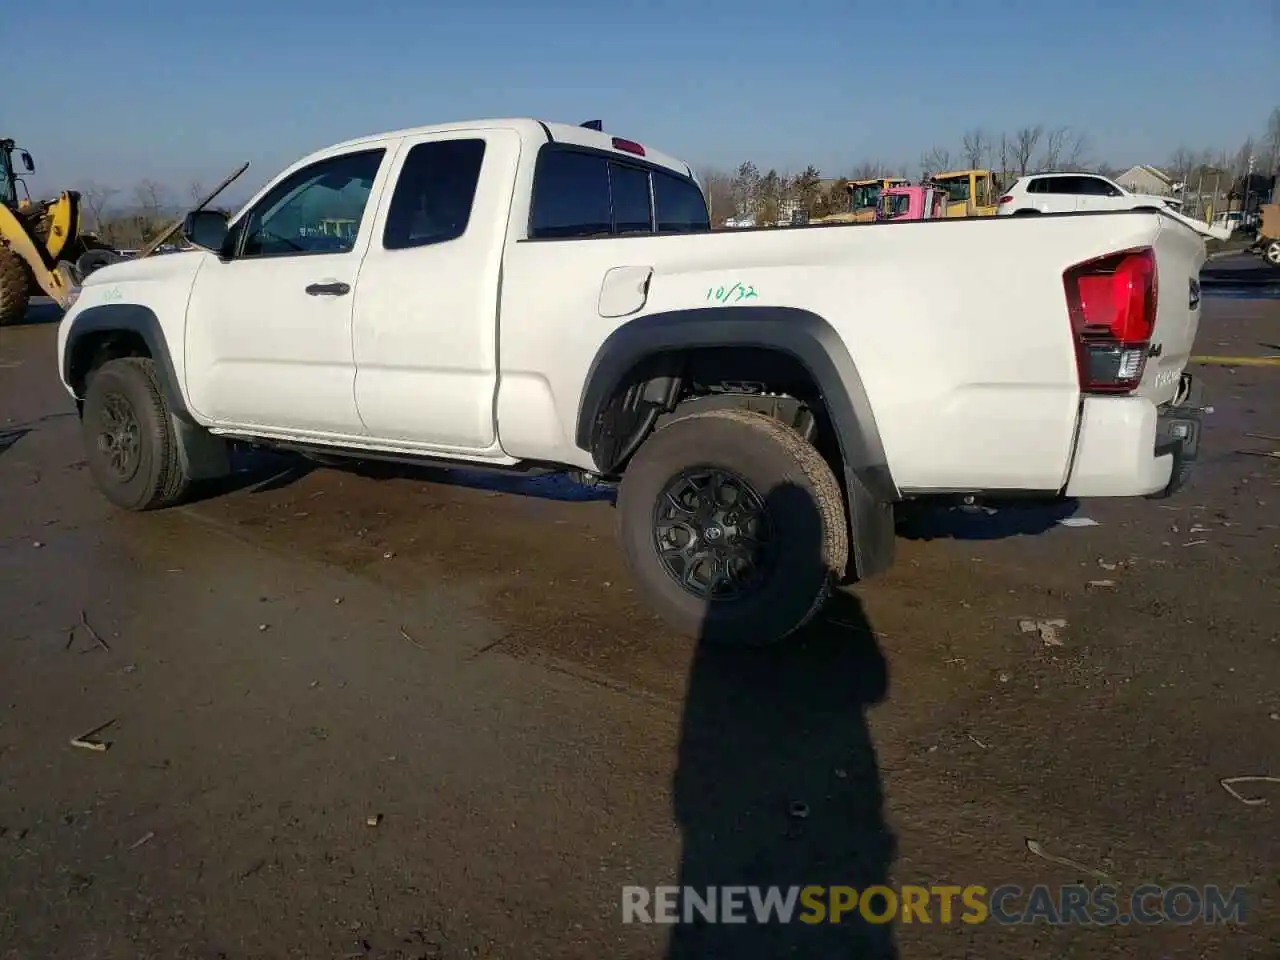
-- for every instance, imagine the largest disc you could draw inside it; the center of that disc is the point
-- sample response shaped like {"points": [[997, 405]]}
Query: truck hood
{"points": [[162, 267]]}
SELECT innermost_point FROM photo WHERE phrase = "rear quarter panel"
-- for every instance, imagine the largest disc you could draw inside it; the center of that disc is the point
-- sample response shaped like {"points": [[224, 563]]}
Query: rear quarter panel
{"points": [[958, 328]]}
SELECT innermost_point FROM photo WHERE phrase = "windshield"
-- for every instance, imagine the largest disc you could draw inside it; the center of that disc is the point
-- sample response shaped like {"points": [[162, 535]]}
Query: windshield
{"points": [[861, 197], [957, 188], [895, 205]]}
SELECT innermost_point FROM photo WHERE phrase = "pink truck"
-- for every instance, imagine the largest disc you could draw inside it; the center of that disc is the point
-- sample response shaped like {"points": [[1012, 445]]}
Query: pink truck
{"points": [[916, 201]]}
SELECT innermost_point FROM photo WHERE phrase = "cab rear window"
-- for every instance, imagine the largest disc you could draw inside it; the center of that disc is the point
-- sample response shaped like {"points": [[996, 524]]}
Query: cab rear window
{"points": [[583, 194]]}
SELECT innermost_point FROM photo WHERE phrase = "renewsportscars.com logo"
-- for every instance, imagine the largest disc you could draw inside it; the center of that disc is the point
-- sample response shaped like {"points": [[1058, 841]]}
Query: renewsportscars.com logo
{"points": [[944, 904]]}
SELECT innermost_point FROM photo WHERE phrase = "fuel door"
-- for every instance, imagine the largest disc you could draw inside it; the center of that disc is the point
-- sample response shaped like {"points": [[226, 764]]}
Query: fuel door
{"points": [[624, 291]]}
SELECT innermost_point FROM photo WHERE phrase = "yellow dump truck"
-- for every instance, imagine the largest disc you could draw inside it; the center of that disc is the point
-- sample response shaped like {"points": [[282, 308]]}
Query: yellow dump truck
{"points": [[864, 196], [970, 193]]}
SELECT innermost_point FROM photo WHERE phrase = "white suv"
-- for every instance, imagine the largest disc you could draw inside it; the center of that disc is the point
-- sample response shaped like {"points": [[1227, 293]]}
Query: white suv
{"points": [[1088, 193], [1074, 192]]}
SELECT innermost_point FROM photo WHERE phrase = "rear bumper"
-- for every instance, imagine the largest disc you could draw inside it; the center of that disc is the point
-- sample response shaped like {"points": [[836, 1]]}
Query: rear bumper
{"points": [[1129, 447]]}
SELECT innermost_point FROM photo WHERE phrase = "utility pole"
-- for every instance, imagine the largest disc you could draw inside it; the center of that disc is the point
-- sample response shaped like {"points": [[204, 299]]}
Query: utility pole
{"points": [[1248, 182]]}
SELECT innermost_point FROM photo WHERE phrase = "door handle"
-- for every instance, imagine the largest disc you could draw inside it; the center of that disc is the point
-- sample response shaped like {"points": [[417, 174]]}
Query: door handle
{"points": [[331, 289]]}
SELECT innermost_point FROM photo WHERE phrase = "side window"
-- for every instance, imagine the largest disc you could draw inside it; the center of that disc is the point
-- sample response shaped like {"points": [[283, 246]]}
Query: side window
{"points": [[318, 209], [679, 205], [1059, 185], [632, 208], [433, 196], [1038, 185], [570, 196], [1078, 186], [1093, 187]]}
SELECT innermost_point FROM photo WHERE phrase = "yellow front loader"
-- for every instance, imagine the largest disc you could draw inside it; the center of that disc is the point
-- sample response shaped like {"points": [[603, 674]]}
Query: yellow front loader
{"points": [[40, 241], [42, 246]]}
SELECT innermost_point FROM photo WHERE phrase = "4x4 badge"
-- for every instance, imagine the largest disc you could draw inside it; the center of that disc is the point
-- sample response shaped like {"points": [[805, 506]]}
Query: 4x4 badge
{"points": [[1155, 350]]}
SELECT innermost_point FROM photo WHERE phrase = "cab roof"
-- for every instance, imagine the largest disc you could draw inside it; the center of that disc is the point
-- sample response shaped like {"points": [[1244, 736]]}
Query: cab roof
{"points": [[537, 130]]}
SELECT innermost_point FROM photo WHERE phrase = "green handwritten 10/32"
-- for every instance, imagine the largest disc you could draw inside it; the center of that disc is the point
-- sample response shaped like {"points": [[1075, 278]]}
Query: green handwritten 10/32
{"points": [[735, 294]]}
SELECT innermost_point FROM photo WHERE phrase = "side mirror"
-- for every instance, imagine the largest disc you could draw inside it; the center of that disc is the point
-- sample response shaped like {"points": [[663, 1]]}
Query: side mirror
{"points": [[231, 241], [27, 161], [206, 229]]}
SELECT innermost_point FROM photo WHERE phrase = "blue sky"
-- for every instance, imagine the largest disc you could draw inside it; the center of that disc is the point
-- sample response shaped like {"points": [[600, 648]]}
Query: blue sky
{"points": [[186, 94]]}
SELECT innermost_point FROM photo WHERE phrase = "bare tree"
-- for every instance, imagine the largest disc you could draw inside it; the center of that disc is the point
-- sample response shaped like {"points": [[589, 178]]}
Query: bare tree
{"points": [[833, 197], [96, 198], [718, 187], [870, 170], [977, 148], [1181, 164], [1025, 142], [936, 160], [1006, 152], [196, 192], [808, 190], [1063, 149], [746, 189], [1247, 152], [1271, 143], [150, 201], [151, 198], [773, 187]]}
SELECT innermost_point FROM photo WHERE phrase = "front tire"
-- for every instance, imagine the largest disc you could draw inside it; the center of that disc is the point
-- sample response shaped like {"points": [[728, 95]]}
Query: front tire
{"points": [[13, 287], [1272, 253], [733, 527], [129, 440]]}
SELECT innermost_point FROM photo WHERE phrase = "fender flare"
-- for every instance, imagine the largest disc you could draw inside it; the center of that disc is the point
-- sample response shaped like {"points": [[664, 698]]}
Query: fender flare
{"points": [[127, 318], [806, 338]]}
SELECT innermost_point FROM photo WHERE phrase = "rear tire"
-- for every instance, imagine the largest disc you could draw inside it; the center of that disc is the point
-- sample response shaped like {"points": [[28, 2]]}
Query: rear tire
{"points": [[13, 287], [129, 440], [741, 570], [1272, 253]]}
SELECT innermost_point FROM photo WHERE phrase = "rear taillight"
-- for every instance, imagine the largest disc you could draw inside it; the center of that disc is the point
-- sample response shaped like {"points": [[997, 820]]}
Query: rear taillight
{"points": [[1112, 305], [1007, 198]]}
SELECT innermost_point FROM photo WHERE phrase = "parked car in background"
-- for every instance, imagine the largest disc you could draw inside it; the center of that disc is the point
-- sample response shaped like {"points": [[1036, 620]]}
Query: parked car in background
{"points": [[1090, 193]]}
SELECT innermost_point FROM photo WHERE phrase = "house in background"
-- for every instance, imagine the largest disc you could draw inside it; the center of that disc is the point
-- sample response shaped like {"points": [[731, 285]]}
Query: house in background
{"points": [[1143, 179]]}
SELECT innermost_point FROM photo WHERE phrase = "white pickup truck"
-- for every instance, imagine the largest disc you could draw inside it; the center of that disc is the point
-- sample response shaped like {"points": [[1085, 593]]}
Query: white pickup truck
{"points": [[521, 295]]}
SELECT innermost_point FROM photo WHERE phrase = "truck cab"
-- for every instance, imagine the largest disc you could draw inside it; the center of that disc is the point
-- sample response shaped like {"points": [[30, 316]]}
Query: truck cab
{"points": [[912, 202], [970, 193]]}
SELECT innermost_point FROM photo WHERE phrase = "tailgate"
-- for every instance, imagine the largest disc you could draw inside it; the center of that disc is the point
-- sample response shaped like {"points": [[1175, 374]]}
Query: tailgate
{"points": [[1179, 255]]}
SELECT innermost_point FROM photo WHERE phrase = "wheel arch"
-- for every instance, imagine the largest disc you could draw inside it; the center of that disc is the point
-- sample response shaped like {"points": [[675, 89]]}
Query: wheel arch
{"points": [[645, 356], [120, 329]]}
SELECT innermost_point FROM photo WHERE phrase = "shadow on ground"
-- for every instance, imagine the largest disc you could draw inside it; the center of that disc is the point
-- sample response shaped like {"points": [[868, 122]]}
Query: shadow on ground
{"points": [[262, 470], [777, 786], [549, 486], [9, 437], [998, 521]]}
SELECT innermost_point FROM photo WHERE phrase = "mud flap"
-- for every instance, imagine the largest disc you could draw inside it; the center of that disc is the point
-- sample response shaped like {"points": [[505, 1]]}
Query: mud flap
{"points": [[203, 456], [872, 532], [1178, 432]]}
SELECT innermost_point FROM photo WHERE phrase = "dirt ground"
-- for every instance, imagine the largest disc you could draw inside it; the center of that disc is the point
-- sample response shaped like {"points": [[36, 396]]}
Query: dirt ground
{"points": [[359, 715]]}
